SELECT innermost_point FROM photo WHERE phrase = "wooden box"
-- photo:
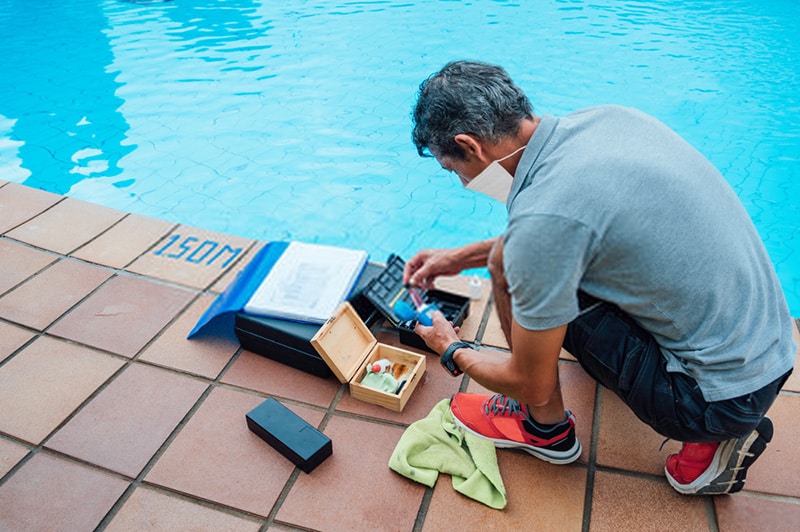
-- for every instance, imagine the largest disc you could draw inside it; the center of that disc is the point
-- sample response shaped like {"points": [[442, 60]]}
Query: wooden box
{"points": [[348, 347]]}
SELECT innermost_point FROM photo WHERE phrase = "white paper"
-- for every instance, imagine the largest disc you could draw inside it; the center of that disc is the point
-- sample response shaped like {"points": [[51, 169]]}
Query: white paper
{"points": [[308, 282]]}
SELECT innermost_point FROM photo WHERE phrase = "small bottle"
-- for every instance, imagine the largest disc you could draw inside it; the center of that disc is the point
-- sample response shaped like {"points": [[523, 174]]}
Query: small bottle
{"points": [[475, 287]]}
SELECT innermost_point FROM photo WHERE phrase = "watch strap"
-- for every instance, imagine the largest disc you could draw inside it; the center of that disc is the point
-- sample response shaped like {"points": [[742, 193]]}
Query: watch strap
{"points": [[447, 358]]}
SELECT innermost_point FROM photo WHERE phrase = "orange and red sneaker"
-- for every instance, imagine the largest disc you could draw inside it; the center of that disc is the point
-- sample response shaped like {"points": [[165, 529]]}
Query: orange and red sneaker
{"points": [[717, 468], [506, 422]]}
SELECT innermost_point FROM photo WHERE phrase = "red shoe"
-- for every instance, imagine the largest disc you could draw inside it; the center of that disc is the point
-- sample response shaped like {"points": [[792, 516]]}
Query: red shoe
{"points": [[506, 422], [716, 468]]}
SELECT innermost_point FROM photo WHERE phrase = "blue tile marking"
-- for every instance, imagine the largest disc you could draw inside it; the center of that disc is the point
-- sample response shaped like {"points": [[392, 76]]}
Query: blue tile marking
{"points": [[191, 249]]}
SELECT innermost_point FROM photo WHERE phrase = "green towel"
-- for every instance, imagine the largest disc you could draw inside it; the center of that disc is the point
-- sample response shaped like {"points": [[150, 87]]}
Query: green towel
{"points": [[436, 444]]}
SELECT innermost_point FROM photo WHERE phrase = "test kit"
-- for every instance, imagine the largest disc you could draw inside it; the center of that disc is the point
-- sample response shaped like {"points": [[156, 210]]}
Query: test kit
{"points": [[289, 342], [377, 290], [386, 289]]}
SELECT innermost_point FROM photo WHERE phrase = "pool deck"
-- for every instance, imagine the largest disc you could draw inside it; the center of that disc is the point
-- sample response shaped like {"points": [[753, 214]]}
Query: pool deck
{"points": [[111, 419]]}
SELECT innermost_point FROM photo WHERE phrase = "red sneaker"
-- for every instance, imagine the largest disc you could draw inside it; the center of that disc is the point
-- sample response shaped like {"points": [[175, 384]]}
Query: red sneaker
{"points": [[716, 468], [507, 423]]}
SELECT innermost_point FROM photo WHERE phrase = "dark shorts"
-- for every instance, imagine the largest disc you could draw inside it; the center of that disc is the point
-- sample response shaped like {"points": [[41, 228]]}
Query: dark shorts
{"points": [[626, 359]]}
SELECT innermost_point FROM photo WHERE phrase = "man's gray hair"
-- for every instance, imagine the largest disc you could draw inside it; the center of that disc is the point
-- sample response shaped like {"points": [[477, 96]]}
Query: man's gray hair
{"points": [[466, 97]]}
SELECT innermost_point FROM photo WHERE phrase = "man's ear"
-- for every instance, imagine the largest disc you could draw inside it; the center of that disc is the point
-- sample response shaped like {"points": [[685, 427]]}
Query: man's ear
{"points": [[472, 147]]}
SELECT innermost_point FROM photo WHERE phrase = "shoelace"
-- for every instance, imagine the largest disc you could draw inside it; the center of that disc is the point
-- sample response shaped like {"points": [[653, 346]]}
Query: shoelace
{"points": [[500, 404]]}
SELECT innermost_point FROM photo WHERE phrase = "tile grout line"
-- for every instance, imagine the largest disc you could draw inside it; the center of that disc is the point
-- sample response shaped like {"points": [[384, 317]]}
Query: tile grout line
{"points": [[290, 482], [711, 513], [588, 497], [216, 383], [424, 505], [136, 482], [39, 213], [139, 480]]}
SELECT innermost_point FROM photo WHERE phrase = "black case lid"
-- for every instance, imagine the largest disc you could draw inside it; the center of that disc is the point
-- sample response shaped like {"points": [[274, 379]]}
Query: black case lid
{"points": [[387, 288]]}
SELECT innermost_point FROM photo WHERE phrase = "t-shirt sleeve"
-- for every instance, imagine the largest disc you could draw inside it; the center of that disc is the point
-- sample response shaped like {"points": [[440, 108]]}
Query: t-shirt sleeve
{"points": [[544, 257]]}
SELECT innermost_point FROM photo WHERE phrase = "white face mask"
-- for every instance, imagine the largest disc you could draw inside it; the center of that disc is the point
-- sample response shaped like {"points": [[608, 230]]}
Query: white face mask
{"points": [[494, 180]]}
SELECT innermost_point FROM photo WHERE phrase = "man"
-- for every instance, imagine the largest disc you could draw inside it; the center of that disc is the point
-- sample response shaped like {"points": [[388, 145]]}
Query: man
{"points": [[625, 246]]}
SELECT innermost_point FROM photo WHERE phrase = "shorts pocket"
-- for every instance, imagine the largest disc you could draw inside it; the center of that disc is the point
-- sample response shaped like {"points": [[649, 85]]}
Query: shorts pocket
{"points": [[733, 418]]}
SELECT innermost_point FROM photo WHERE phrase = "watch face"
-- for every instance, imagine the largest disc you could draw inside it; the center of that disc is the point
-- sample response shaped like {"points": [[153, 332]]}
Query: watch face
{"points": [[447, 358]]}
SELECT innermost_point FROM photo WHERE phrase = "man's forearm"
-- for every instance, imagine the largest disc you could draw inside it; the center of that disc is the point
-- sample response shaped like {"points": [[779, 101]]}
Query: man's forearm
{"points": [[529, 374], [474, 255]]}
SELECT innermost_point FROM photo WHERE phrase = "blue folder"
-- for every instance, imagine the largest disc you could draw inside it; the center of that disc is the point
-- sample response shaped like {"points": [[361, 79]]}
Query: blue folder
{"points": [[236, 296]]}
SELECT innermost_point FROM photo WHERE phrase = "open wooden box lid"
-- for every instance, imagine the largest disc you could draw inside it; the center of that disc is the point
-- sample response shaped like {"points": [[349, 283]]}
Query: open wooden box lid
{"points": [[344, 342]]}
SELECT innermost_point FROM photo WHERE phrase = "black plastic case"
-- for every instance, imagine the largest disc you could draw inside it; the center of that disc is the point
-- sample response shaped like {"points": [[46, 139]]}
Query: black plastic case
{"points": [[387, 288], [289, 342], [289, 434]]}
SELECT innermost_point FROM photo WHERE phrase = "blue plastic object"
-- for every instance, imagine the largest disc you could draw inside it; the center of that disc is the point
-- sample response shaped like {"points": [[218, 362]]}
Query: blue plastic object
{"points": [[406, 312]]}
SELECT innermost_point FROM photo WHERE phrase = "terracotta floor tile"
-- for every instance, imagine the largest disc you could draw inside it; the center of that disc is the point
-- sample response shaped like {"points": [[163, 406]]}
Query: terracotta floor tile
{"points": [[264, 375], [493, 334], [43, 298], [624, 442], [566, 355], [50, 493], [541, 496], [205, 355], [793, 383], [148, 509], [10, 455], [12, 338], [217, 458], [19, 204], [777, 471], [742, 513], [123, 427], [45, 382], [578, 390], [66, 226], [123, 315], [376, 497], [125, 241], [191, 257], [435, 385], [236, 266], [18, 262], [633, 503]]}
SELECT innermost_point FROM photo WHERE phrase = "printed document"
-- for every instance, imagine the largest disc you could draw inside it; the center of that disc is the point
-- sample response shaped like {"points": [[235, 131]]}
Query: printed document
{"points": [[308, 282]]}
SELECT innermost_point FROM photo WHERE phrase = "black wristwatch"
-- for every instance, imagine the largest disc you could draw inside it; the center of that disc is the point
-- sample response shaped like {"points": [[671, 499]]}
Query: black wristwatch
{"points": [[447, 358]]}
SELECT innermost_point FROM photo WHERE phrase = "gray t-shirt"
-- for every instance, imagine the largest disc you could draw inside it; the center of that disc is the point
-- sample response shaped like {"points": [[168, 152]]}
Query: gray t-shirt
{"points": [[610, 201]]}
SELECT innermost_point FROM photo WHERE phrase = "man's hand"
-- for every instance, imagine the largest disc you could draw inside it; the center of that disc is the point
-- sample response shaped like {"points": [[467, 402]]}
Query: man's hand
{"points": [[427, 265], [439, 335]]}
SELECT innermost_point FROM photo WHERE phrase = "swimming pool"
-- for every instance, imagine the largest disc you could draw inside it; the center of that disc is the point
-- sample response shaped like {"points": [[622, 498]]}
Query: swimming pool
{"points": [[290, 120]]}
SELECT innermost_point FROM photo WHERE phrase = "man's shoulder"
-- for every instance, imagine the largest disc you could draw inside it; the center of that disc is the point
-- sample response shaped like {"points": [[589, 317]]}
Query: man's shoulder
{"points": [[610, 110]]}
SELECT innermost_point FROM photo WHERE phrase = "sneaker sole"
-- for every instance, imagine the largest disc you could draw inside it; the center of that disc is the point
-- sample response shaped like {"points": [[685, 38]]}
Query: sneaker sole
{"points": [[728, 470], [553, 457]]}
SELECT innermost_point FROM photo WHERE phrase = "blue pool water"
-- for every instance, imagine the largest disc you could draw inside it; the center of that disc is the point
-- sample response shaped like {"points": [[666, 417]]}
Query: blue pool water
{"points": [[290, 120]]}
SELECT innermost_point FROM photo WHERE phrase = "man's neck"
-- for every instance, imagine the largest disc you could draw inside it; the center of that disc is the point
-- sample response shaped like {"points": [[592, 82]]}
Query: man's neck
{"points": [[526, 129]]}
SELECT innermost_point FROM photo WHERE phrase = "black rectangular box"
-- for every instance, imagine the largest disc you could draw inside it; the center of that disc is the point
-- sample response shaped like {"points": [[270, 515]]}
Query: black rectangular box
{"points": [[289, 342], [373, 297], [289, 434]]}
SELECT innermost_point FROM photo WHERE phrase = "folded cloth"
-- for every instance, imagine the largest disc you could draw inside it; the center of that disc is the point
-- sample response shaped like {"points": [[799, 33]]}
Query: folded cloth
{"points": [[436, 445]]}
